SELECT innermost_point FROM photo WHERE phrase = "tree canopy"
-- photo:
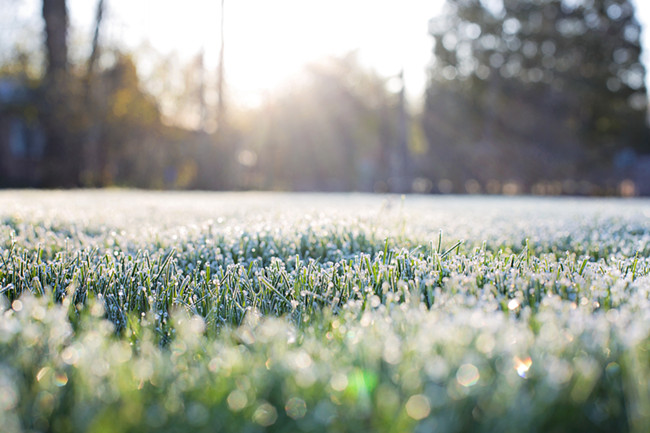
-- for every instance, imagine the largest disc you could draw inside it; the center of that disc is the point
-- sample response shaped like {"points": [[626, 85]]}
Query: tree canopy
{"points": [[554, 87]]}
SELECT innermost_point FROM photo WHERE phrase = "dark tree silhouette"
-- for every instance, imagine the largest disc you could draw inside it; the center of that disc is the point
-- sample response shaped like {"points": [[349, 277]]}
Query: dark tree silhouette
{"points": [[62, 152], [535, 90]]}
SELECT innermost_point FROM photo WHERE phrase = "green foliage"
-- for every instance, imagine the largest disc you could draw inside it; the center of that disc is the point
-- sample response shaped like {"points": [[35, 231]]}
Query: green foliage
{"points": [[322, 313], [555, 87]]}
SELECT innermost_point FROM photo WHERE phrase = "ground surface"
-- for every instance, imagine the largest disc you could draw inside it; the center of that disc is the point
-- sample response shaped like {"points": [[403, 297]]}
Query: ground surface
{"points": [[142, 311]]}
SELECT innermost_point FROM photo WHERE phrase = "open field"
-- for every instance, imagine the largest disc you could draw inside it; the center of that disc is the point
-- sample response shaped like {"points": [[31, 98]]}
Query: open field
{"points": [[136, 311]]}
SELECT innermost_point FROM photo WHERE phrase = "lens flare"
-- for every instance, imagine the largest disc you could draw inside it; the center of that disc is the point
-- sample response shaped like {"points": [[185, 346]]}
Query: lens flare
{"points": [[522, 365], [467, 375], [418, 407], [61, 379]]}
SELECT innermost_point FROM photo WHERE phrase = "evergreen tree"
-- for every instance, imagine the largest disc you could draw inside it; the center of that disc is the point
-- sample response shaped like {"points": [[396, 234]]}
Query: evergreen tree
{"points": [[532, 90]]}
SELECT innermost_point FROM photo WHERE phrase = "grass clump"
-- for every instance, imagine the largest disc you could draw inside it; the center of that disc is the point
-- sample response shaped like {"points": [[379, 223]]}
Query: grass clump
{"points": [[293, 313]]}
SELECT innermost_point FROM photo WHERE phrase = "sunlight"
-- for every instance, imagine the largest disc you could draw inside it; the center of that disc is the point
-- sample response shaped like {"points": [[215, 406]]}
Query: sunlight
{"points": [[522, 365], [268, 43]]}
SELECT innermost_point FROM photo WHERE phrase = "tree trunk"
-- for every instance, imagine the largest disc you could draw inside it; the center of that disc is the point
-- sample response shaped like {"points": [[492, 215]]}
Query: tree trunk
{"points": [[221, 103], [55, 15], [62, 160], [93, 162]]}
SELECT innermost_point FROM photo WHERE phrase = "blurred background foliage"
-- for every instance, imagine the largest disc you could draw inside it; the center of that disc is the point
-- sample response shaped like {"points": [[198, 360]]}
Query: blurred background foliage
{"points": [[534, 96], [556, 88]]}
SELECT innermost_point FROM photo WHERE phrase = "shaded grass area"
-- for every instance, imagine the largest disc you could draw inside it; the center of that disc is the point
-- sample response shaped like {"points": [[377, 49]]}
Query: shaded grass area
{"points": [[312, 315]]}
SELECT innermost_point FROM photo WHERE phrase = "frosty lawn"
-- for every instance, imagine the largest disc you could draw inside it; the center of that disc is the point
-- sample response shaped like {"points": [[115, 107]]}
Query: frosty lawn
{"points": [[133, 311]]}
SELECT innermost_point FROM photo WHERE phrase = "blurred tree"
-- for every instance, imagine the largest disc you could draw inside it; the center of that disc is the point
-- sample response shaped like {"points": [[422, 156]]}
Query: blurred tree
{"points": [[534, 90], [91, 170], [221, 105], [55, 15], [103, 126], [136, 147], [58, 107], [131, 125], [328, 131]]}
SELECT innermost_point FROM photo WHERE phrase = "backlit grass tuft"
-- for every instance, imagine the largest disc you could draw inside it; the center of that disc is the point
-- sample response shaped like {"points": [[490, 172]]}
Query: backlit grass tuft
{"points": [[131, 311]]}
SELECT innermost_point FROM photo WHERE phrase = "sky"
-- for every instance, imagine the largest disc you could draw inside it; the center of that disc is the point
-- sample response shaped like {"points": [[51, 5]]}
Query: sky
{"points": [[268, 41]]}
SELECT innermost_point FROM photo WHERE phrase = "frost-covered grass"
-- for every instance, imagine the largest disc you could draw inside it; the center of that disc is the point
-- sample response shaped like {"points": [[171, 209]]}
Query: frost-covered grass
{"points": [[133, 311]]}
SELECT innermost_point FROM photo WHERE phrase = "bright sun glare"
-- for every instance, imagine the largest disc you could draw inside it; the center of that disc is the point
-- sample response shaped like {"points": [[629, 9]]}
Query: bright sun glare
{"points": [[268, 42]]}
